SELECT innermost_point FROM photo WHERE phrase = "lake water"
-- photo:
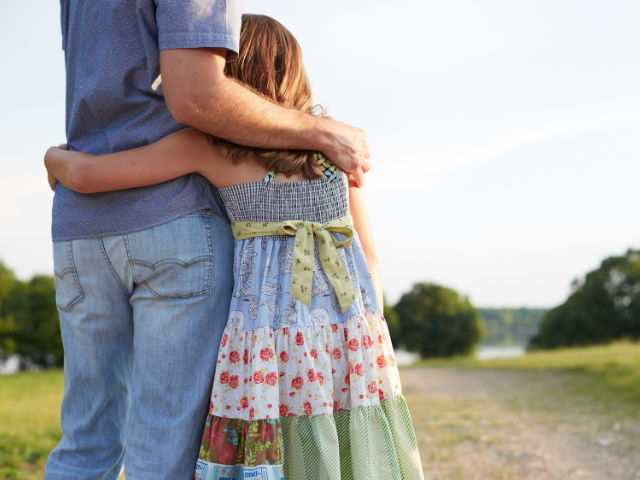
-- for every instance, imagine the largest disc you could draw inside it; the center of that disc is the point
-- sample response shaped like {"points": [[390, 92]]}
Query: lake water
{"points": [[484, 352], [405, 358], [10, 365], [503, 345], [494, 347], [493, 352]]}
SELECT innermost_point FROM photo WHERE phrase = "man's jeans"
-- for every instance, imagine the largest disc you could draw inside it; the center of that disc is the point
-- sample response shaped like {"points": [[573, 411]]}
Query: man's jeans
{"points": [[141, 316]]}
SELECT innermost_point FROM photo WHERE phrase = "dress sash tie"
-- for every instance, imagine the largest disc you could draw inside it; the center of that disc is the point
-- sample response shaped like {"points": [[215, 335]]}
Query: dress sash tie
{"points": [[302, 272]]}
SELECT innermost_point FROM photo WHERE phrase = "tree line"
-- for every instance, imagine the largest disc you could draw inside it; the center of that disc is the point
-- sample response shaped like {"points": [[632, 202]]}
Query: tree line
{"points": [[435, 321], [29, 324], [603, 307], [511, 320], [431, 320]]}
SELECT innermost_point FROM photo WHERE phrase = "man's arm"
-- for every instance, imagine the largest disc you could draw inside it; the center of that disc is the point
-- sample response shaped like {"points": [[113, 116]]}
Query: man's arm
{"points": [[199, 94]]}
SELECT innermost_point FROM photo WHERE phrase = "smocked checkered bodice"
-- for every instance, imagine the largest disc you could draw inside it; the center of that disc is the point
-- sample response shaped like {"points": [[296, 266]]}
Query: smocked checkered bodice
{"points": [[318, 200]]}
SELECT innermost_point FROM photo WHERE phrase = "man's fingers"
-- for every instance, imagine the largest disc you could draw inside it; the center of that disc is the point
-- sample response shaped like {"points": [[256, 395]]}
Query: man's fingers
{"points": [[63, 146], [353, 152]]}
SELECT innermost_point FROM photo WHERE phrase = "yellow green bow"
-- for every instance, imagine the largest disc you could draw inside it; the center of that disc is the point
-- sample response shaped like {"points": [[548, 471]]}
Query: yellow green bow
{"points": [[302, 271]]}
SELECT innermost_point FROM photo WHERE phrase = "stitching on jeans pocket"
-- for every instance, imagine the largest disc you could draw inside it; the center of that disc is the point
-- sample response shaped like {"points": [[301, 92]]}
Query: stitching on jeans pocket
{"points": [[174, 261], [185, 265], [69, 293], [64, 272]]}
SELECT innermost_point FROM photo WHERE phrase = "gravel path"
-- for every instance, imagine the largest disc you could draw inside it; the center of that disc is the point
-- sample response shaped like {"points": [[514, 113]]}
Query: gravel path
{"points": [[514, 425]]}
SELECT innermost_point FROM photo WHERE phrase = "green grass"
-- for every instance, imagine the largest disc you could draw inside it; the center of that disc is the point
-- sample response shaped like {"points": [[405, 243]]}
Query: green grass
{"points": [[30, 402], [615, 367], [29, 422]]}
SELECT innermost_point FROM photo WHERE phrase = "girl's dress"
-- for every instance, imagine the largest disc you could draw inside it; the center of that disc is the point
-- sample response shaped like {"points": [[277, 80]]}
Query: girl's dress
{"points": [[304, 392]]}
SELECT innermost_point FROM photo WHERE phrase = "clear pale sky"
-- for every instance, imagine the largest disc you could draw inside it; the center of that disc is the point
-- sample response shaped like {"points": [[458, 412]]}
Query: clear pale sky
{"points": [[504, 135]]}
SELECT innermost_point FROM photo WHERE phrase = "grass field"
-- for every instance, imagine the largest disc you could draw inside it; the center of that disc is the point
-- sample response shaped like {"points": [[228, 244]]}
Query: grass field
{"points": [[474, 419], [29, 422]]}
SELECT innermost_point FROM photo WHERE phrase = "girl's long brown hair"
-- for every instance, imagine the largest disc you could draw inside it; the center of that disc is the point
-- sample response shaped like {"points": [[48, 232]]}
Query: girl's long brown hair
{"points": [[270, 64]]}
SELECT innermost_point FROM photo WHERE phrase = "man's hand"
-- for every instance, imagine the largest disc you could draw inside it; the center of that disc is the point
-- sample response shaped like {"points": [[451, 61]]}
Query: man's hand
{"points": [[350, 152]]}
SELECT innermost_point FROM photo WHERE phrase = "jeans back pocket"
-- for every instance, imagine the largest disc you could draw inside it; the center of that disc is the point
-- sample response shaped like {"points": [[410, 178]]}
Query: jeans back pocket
{"points": [[174, 260], [68, 290]]}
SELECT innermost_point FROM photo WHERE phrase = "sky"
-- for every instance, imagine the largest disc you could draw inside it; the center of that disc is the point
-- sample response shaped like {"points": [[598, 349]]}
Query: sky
{"points": [[504, 135]]}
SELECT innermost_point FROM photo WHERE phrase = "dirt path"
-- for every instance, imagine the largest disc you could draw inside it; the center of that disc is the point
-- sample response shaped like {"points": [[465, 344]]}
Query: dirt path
{"points": [[514, 425], [509, 425]]}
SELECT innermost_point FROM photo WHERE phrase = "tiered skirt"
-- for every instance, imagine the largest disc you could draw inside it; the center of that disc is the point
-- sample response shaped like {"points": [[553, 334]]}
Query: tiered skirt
{"points": [[309, 403]]}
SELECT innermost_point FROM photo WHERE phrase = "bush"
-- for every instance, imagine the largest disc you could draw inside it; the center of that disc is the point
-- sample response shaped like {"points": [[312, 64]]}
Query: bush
{"points": [[437, 322]]}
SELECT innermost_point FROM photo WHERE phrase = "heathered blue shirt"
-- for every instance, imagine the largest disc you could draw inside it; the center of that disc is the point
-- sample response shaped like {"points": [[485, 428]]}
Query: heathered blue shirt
{"points": [[112, 55]]}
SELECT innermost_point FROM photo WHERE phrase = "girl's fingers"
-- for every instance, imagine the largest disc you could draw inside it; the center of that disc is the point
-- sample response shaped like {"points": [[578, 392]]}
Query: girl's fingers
{"points": [[358, 177], [53, 181]]}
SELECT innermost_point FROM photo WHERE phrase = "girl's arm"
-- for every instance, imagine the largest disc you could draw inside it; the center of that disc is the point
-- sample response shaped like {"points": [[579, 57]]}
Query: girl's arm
{"points": [[173, 156], [362, 226]]}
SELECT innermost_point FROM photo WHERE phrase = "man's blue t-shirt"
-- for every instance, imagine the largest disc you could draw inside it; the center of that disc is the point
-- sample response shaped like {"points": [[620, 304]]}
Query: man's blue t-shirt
{"points": [[112, 60]]}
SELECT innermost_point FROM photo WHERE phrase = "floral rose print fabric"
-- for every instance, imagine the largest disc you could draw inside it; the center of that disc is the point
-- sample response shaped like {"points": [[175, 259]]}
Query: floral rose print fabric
{"points": [[292, 371]]}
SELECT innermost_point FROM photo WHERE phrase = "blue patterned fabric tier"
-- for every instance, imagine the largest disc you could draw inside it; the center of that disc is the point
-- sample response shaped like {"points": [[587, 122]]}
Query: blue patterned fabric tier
{"points": [[262, 271]]}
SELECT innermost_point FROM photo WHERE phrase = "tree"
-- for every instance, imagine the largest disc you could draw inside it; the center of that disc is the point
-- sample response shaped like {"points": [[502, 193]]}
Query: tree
{"points": [[29, 323], [602, 308], [437, 322], [8, 328]]}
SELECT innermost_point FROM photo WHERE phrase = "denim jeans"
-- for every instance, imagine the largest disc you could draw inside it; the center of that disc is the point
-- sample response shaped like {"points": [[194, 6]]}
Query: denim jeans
{"points": [[141, 316]]}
